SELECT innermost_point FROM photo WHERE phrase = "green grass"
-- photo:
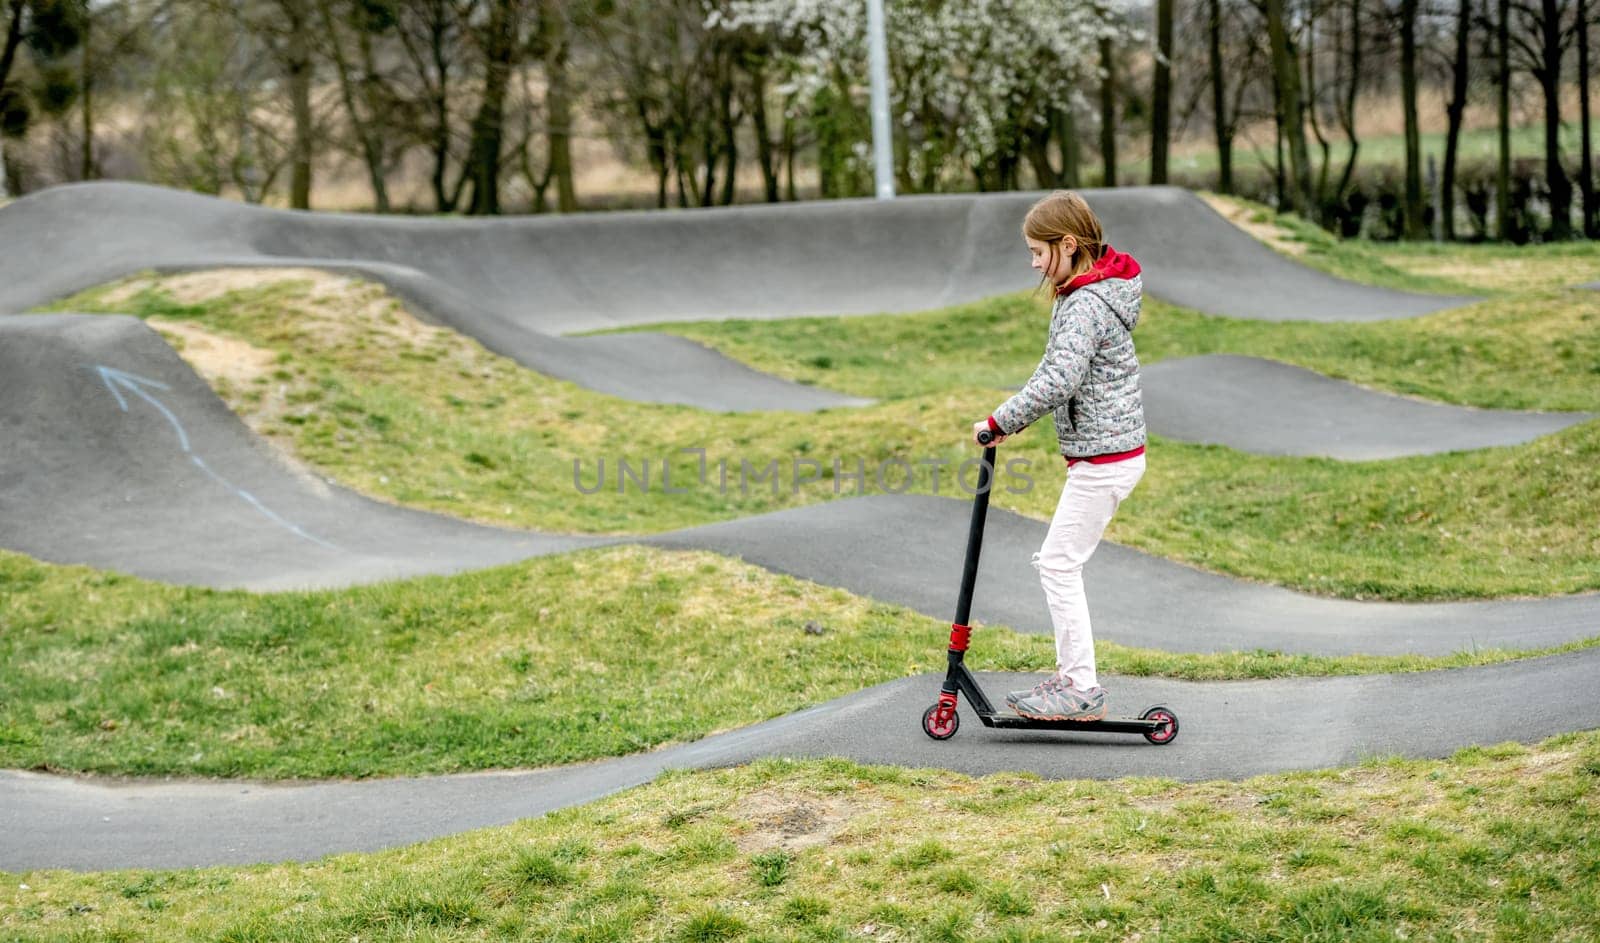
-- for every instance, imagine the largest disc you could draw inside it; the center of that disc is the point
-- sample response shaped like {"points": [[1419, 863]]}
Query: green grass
{"points": [[555, 660], [1499, 843], [1443, 268], [1532, 350], [427, 418]]}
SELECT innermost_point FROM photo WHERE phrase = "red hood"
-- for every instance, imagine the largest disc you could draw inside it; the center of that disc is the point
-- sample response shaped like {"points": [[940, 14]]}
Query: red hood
{"points": [[1111, 264]]}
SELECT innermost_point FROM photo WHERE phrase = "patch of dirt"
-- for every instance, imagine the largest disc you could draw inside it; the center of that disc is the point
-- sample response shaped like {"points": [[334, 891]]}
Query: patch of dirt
{"points": [[342, 306], [194, 287], [215, 357], [790, 821], [1240, 215]]}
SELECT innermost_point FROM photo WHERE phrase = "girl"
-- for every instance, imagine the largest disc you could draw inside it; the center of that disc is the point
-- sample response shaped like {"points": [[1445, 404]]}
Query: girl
{"points": [[1090, 377]]}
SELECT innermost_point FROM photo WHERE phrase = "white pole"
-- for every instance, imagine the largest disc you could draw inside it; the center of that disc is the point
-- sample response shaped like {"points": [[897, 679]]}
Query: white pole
{"points": [[882, 142]]}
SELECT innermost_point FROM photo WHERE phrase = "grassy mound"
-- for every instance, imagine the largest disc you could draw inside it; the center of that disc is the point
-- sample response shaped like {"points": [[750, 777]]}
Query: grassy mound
{"points": [[1494, 844]]}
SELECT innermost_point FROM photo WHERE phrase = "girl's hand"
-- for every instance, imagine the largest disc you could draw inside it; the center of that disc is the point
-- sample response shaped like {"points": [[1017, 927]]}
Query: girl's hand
{"points": [[982, 425]]}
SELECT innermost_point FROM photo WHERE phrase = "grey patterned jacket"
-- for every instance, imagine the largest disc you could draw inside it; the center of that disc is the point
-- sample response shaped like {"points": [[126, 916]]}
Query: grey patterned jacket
{"points": [[1089, 374]]}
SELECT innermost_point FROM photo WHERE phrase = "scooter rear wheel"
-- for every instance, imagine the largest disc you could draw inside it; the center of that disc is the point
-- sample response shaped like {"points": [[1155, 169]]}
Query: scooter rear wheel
{"points": [[936, 730], [1167, 732]]}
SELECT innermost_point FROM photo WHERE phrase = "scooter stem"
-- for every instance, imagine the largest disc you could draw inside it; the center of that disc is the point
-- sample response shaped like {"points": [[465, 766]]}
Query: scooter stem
{"points": [[980, 511]]}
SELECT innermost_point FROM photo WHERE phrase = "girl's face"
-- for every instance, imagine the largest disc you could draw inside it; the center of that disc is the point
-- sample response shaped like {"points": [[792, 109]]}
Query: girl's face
{"points": [[1052, 261]]}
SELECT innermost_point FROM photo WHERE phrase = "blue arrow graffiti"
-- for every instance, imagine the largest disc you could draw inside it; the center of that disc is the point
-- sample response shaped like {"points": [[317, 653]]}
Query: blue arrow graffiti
{"points": [[114, 378], [117, 381]]}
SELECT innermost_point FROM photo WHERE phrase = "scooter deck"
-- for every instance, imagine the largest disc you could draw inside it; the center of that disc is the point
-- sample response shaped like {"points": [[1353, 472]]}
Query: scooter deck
{"points": [[1107, 725]]}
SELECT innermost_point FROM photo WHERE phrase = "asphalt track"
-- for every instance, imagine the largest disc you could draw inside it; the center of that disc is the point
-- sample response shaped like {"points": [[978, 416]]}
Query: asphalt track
{"points": [[1229, 730], [175, 488], [517, 284], [139, 467], [554, 275], [1273, 408]]}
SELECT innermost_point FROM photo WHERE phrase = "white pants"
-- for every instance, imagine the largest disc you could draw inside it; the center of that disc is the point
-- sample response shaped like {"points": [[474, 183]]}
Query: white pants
{"points": [[1088, 501]]}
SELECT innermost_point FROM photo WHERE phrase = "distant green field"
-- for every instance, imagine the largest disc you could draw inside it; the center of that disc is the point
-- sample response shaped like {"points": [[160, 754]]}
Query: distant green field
{"points": [[1479, 144]]}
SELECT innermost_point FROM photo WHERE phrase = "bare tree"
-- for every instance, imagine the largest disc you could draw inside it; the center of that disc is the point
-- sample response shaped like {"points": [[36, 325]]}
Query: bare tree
{"points": [[555, 41], [1413, 199], [217, 125], [285, 26], [432, 35], [500, 42], [368, 103], [1502, 189], [1108, 110], [1349, 88], [1220, 124], [1455, 110], [1591, 212], [754, 63], [1291, 119], [1313, 107], [1161, 97], [1542, 46], [650, 53]]}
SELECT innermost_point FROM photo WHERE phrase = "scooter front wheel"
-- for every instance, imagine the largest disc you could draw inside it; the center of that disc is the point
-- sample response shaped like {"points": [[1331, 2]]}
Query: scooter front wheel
{"points": [[932, 726]]}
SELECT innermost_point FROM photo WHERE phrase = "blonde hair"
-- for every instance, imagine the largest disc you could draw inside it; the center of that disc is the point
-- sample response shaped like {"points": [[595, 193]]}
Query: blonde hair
{"points": [[1062, 214]]}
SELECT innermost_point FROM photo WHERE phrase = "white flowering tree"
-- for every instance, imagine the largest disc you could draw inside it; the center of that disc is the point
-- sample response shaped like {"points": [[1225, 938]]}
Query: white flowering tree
{"points": [[977, 87]]}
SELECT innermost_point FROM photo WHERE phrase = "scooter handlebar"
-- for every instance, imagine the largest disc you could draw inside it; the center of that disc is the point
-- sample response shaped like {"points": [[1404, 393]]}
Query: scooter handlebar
{"points": [[985, 436]]}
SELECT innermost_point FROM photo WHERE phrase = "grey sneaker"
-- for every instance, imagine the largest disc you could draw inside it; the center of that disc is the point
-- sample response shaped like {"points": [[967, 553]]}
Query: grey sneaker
{"points": [[1062, 701], [1013, 697]]}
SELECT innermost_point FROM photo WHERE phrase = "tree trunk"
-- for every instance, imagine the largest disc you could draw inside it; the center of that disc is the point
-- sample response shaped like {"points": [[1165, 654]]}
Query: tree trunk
{"points": [[1591, 212], [1286, 70], [13, 40], [371, 150], [1321, 199], [1281, 191], [675, 149], [1550, 78], [1458, 105], [1219, 106], [558, 108], [1037, 149], [488, 126], [1502, 179], [445, 196], [1108, 112], [709, 151], [729, 123], [758, 113], [1161, 103], [1408, 102], [376, 125], [86, 168], [1071, 151], [1347, 117], [298, 66], [789, 148]]}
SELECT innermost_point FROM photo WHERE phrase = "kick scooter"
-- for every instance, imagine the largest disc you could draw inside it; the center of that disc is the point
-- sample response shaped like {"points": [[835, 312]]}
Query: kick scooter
{"points": [[1159, 725]]}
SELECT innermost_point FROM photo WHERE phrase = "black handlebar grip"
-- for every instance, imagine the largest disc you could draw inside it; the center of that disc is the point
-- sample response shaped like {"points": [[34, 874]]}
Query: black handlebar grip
{"points": [[985, 436]]}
